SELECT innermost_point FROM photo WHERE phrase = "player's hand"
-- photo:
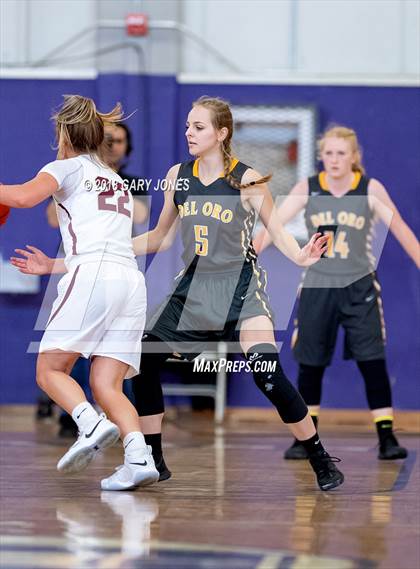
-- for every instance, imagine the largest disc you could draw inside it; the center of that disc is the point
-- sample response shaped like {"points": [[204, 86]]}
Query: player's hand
{"points": [[32, 262], [312, 251]]}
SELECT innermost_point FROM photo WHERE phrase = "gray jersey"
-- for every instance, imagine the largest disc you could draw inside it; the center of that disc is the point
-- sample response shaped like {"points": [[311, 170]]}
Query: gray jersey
{"points": [[216, 229], [348, 251]]}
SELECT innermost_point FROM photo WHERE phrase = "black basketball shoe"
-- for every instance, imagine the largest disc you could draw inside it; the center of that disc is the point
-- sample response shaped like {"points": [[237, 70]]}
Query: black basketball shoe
{"points": [[389, 448], [45, 408], [164, 472], [296, 451], [68, 428], [327, 474]]}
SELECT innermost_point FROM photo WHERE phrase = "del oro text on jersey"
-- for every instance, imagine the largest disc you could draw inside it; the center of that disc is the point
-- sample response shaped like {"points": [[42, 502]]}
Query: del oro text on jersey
{"points": [[208, 209], [343, 218]]}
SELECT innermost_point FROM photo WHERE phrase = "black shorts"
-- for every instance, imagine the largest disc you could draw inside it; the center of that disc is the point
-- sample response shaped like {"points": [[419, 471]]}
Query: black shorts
{"points": [[357, 307], [205, 308]]}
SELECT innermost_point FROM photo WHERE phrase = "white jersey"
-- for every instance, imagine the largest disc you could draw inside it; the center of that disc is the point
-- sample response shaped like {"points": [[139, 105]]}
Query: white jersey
{"points": [[95, 213]]}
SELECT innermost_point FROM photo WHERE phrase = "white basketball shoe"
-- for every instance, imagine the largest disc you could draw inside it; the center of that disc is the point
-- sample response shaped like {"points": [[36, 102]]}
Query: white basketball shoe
{"points": [[99, 436], [138, 471]]}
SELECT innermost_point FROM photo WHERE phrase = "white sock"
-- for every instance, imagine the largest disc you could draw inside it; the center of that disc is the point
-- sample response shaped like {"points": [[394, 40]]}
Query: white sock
{"points": [[84, 415], [134, 444]]}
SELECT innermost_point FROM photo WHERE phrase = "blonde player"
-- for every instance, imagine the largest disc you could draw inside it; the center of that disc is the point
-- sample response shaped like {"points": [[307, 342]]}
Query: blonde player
{"points": [[101, 304], [342, 290]]}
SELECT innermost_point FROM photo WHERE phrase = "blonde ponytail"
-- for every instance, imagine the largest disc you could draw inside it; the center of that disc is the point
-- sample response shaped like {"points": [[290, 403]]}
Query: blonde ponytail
{"points": [[80, 126]]}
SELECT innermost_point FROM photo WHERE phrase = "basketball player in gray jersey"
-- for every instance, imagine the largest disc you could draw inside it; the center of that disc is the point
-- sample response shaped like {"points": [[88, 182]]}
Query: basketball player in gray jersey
{"points": [[342, 288], [220, 294]]}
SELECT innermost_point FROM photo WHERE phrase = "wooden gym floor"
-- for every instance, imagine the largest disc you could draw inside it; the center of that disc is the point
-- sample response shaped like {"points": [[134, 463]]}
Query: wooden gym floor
{"points": [[232, 502]]}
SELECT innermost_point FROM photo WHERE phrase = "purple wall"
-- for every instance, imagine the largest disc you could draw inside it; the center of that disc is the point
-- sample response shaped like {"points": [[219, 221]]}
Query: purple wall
{"points": [[387, 121]]}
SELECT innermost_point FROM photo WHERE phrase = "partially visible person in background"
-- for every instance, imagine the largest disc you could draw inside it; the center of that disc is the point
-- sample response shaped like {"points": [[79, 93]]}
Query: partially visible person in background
{"points": [[119, 144], [116, 151], [342, 289]]}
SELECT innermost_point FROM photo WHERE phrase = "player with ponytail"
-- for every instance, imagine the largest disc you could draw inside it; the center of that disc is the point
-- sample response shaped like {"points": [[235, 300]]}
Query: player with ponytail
{"points": [[100, 309]]}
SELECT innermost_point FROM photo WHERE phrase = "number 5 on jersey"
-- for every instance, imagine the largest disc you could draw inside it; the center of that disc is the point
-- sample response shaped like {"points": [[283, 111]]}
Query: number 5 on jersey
{"points": [[201, 242]]}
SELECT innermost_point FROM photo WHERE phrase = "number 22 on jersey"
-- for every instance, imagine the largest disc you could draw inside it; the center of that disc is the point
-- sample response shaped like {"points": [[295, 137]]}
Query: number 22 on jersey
{"points": [[105, 202]]}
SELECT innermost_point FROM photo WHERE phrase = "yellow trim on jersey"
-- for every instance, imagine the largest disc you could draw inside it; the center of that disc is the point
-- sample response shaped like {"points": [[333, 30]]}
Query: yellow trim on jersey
{"points": [[260, 286], [322, 178], [377, 285], [294, 338], [257, 274], [314, 413], [257, 294], [381, 310], [243, 243], [179, 274], [233, 163], [265, 279], [248, 233], [356, 180], [383, 418]]}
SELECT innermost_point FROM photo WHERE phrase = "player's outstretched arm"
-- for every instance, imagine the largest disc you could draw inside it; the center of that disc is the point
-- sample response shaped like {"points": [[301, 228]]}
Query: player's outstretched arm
{"points": [[295, 201], [30, 193], [35, 262], [387, 211], [140, 211], [162, 236], [260, 199]]}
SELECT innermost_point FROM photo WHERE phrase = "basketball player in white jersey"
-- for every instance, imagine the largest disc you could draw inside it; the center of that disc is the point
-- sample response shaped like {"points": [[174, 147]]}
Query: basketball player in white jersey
{"points": [[101, 305]]}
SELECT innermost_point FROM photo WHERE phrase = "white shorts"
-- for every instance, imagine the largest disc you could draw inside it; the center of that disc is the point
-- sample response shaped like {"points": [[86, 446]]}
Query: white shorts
{"points": [[100, 310]]}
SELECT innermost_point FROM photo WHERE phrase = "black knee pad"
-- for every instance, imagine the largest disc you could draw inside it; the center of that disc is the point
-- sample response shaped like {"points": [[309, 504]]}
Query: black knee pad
{"points": [[271, 380], [310, 383], [377, 384], [147, 389]]}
